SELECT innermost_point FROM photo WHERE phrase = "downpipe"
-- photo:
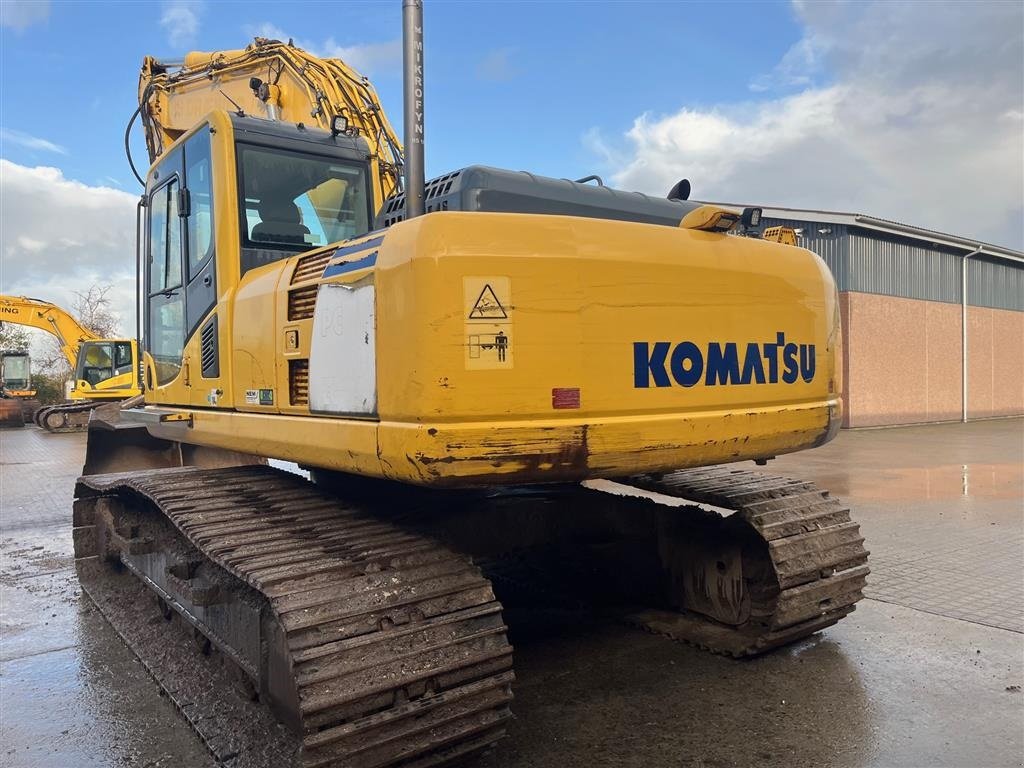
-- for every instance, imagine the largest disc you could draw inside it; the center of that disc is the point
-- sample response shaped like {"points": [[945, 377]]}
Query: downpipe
{"points": [[963, 332]]}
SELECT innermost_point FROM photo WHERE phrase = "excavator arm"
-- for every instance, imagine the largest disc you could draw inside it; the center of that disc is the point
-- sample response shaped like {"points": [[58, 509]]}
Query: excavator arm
{"points": [[274, 80], [48, 317]]}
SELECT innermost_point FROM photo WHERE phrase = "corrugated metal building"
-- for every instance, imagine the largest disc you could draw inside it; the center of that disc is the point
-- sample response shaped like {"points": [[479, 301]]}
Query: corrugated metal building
{"points": [[913, 349]]}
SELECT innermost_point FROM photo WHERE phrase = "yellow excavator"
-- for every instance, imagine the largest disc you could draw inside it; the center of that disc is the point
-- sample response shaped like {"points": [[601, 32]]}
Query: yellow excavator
{"points": [[500, 384], [104, 370], [18, 401]]}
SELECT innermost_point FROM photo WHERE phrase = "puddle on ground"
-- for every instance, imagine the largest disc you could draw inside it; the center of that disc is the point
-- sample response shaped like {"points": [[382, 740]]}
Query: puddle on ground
{"points": [[947, 481]]}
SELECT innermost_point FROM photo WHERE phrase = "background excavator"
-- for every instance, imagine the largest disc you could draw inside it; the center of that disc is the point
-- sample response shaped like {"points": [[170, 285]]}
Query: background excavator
{"points": [[103, 370], [494, 379], [18, 401]]}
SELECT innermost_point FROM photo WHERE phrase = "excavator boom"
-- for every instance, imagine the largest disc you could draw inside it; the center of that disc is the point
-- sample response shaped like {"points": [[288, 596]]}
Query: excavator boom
{"points": [[36, 313], [276, 81]]}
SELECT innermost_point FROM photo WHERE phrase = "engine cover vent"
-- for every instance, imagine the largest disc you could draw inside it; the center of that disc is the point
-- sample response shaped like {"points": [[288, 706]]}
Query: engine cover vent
{"points": [[301, 302], [298, 382], [209, 356], [310, 267]]}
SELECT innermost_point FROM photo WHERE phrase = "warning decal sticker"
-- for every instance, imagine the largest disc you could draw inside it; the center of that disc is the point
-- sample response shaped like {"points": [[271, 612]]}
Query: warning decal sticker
{"points": [[487, 306], [488, 339]]}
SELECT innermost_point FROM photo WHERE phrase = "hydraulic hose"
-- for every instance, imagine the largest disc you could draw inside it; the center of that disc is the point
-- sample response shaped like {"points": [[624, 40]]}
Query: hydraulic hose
{"points": [[127, 145]]}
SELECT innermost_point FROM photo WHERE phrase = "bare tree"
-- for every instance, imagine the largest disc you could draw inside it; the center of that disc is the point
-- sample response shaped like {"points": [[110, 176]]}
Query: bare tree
{"points": [[92, 309], [50, 359], [13, 338]]}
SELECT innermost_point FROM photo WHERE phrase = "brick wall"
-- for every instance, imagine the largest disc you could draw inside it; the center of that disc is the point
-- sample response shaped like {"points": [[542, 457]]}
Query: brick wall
{"points": [[902, 360]]}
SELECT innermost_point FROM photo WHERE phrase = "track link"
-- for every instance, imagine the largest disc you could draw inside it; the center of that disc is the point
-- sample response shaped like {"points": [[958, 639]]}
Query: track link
{"points": [[809, 574], [376, 646]]}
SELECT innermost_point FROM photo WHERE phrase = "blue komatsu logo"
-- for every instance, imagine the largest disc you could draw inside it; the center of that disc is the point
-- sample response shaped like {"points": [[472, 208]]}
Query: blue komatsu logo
{"points": [[688, 364]]}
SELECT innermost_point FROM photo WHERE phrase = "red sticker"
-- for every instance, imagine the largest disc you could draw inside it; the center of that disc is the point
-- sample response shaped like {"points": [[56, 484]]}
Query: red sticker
{"points": [[565, 397]]}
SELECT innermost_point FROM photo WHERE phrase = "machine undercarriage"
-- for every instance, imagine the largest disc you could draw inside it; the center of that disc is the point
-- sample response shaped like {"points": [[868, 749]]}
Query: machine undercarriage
{"points": [[362, 614]]}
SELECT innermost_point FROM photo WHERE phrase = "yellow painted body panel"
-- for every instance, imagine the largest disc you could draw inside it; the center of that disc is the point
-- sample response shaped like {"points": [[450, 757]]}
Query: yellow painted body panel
{"points": [[577, 296]]}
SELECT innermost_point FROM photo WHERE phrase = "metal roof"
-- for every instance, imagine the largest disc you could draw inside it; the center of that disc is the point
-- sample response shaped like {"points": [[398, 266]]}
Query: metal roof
{"points": [[886, 225]]}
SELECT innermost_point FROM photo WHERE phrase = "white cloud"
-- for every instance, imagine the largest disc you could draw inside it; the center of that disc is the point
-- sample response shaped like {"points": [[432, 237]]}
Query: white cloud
{"points": [[30, 142], [921, 122], [497, 66], [180, 19], [20, 14], [367, 59], [796, 69], [60, 236]]}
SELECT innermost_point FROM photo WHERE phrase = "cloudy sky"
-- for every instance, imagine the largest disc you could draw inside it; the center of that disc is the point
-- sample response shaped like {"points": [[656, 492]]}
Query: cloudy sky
{"points": [[910, 111]]}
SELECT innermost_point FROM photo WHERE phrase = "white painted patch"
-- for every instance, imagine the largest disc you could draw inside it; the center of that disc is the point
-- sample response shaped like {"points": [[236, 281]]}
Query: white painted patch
{"points": [[342, 362]]}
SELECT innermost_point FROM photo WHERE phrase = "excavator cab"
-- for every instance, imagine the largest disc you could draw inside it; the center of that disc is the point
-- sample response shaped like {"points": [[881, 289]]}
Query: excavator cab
{"points": [[231, 196], [16, 373], [17, 398], [100, 362]]}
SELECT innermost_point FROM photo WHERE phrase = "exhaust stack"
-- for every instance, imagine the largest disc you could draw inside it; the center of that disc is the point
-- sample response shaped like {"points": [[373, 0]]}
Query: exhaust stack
{"points": [[412, 55]]}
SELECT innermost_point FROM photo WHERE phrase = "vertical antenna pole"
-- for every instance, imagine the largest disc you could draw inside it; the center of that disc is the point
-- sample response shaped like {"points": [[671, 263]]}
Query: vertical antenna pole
{"points": [[412, 48]]}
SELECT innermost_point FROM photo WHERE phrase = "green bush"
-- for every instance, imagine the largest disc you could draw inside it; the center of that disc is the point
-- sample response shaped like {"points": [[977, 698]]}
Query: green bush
{"points": [[49, 388]]}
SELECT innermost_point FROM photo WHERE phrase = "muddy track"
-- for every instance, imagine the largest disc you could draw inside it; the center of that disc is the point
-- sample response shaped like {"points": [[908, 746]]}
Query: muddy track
{"points": [[808, 573], [377, 646]]}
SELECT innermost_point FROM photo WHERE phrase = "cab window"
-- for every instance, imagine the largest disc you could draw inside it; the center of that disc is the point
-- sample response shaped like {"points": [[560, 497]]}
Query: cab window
{"points": [[123, 362], [200, 187], [166, 323], [293, 202], [96, 363]]}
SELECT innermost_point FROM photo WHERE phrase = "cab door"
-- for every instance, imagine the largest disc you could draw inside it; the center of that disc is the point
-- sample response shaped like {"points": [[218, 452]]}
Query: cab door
{"points": [[201, 320], [181, 336], [164, 280]]}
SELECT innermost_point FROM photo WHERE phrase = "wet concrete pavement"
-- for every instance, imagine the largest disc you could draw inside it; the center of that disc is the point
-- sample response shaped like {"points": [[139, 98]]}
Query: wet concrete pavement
{"points": [[71, 693], [926, 672]]}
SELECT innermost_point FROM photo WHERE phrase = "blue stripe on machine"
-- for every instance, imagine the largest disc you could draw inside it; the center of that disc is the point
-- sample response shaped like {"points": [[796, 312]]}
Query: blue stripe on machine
{"points": [[363, 246], [350, 266]]}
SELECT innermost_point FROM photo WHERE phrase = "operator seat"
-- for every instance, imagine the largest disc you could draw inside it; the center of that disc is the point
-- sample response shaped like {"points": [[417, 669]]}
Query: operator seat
{"points": [[280, 222]]}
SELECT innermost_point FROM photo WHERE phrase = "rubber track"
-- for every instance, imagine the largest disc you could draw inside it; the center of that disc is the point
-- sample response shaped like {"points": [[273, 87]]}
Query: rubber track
{"points": [[816, 551], [397, 646]]}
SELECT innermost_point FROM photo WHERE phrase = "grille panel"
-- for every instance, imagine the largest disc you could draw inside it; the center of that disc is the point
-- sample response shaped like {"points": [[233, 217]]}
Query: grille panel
{"points": [[310, 267], [394, 209], [208, 353], [298, 382], [301, 302]]}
